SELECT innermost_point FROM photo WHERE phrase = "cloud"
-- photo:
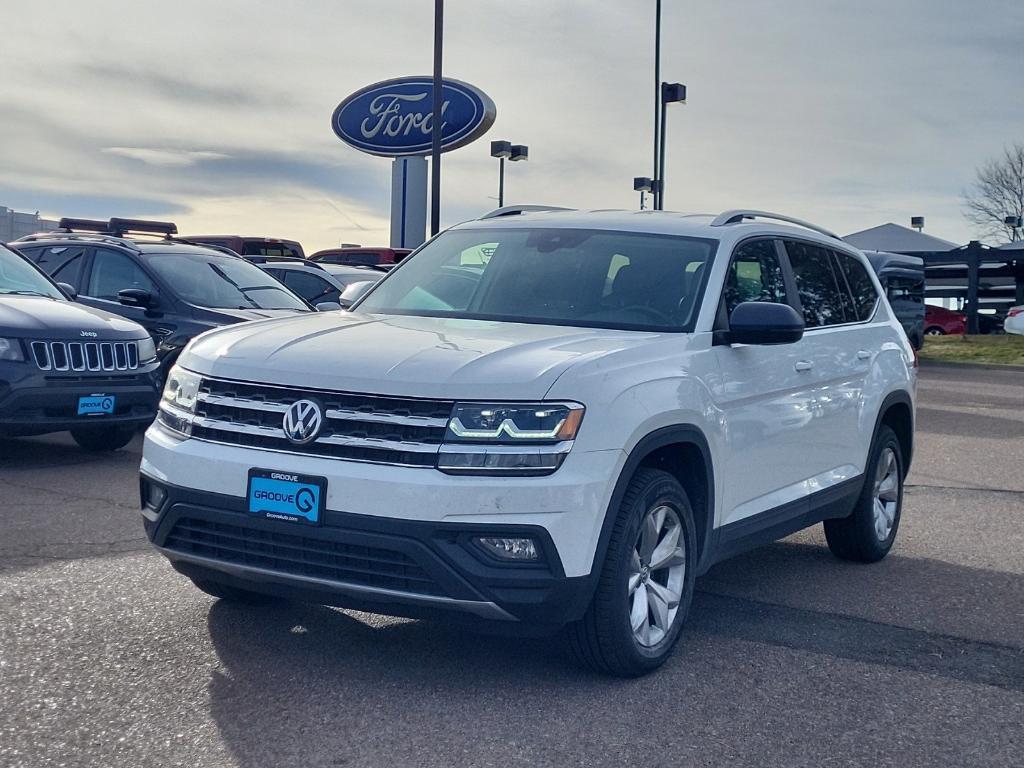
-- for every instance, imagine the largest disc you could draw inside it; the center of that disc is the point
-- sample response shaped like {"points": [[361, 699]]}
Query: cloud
{"points": [[165, 157]]}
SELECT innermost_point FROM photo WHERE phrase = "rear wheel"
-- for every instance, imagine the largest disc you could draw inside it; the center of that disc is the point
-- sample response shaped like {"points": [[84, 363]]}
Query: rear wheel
{"points": [[646, 584], [232, 594], [108, 438], [868, 533]]}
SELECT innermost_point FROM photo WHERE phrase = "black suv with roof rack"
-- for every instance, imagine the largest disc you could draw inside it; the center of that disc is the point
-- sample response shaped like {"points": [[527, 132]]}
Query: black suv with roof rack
{"points": [[64, 366], [174, 288]]}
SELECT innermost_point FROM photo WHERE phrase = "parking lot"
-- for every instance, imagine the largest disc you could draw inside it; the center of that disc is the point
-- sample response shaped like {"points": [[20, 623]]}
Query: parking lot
{"points": [[791, 657]]}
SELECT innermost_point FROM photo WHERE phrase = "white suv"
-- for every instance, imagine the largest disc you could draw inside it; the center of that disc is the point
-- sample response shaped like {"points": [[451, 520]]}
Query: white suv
{"points": [[553, 418]]}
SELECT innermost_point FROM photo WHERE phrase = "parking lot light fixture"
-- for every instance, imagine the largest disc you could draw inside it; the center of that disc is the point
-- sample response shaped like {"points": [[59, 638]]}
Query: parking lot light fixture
{"points": [[643, 185], [671, 93], [506, 150]]}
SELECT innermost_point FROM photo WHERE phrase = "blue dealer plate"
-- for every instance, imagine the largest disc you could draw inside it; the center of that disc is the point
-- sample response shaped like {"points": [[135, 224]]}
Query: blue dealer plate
{"points": [[284, 496], [92, 405]]}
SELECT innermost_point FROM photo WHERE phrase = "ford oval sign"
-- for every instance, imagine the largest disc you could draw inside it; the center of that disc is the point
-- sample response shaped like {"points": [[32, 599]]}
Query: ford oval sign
{"points": [[393, 118]]}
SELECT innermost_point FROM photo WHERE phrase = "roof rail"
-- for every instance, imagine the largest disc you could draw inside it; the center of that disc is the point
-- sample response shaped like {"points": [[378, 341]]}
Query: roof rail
{"points": [[738, 215], [91, 237], [515, 210]]}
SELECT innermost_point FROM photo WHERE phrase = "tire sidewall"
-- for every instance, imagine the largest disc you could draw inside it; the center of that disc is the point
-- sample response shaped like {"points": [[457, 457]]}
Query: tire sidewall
{"points": [[664, 490], [865, 514]]}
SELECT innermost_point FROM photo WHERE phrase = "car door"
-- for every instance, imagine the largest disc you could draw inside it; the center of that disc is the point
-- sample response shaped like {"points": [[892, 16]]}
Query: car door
{"points": [[838, 360], [765, 393], [110, 271]]}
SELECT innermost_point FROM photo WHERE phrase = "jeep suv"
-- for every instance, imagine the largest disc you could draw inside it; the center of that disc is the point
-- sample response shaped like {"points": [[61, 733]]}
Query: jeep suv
{"points": [[64, 366], [550, 418]]}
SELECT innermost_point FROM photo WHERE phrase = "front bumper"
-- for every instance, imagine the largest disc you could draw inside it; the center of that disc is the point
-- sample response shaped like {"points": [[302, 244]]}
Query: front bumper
{"points": [[394, 540], [42, 404]]}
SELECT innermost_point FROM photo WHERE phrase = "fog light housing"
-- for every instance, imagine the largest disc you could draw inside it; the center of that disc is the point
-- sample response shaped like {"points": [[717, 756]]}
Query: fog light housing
{"points": [[511, 548]]}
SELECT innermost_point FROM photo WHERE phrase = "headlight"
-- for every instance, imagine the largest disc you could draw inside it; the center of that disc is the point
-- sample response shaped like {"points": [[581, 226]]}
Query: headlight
{"points": [[178, 403], [10, 349], [508, 438], [147, 350]]}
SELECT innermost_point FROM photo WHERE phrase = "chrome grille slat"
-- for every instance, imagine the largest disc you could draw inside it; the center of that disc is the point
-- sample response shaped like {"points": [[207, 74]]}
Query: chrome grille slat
{"points": [[374, 428], [85, 355]]}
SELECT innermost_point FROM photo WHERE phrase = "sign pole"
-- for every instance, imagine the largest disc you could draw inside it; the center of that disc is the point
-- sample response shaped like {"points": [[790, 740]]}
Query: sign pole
{"points": [[436, 122]]}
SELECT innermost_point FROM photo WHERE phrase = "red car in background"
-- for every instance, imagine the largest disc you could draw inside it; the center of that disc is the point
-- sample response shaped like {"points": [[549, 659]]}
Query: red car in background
{"points": [[362, 257], [252, 246], [939, 321]]}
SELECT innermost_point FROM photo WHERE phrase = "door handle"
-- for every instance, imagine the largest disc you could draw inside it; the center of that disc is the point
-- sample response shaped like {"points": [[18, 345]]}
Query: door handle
{"points": [[803, 366], [863, 354]]}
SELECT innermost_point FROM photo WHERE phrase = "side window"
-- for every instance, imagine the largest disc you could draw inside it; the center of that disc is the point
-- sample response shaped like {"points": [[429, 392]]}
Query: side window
{"points": [[113, 272], [56, 256], [816, 284], [70, 271], [754, 275], [310, 287], [862, 290]]}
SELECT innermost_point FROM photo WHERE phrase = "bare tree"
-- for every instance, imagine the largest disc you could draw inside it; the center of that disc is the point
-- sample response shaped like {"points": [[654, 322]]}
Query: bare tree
{"points": [[997, 193]]}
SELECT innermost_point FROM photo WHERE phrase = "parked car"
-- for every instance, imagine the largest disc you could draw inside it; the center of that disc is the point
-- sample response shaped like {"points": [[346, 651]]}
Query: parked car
{"points": [[251, 246], [319, 283], [619, 401], [939, 321], [902, 279], [361, 257], [1014, 322], [173, 290], [64, 366]]}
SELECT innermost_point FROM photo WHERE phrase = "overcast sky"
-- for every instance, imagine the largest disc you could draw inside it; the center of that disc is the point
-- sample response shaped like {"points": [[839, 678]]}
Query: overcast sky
{"points": [[217, 114]]}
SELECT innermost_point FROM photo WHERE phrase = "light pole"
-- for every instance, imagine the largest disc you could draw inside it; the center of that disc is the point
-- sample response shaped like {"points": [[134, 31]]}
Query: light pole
{"points": [[917, 222], [436, 122], [506, 150], [643, 185], [671, 93], [657, 97]]}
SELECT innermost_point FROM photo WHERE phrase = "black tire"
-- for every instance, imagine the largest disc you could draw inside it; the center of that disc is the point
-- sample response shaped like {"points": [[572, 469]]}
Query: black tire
{"points": [[855, 537], [603, 639], [232, 594], [99, 439]]}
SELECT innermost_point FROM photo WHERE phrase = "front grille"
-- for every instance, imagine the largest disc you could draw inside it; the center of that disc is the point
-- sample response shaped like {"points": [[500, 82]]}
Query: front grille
{"points": [[300, 555], [85, 355], [358, 427]]}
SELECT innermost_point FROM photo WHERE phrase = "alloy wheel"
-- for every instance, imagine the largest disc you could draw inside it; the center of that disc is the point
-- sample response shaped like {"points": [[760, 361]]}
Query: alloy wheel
{"points": [[887, 493], [657, 575]]}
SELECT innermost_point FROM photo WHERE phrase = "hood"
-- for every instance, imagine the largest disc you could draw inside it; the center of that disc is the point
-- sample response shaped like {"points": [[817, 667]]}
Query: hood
{"points": [[45, 318], [398, 355]]}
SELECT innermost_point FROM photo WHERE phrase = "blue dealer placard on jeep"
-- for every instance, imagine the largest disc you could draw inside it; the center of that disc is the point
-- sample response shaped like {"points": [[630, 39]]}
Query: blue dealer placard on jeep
{"points": [[95, 404], [283, 496]]}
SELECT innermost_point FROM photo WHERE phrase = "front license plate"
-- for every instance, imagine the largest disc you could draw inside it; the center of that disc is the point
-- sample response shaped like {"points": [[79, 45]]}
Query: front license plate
{"points": [[93, 405], [283, 496]]}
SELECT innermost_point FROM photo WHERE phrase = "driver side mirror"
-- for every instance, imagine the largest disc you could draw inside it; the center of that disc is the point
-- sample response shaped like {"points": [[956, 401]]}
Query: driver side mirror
{"points": [[354, 292], [136, 297], [762, 322], [327, 306], [69, 290]]}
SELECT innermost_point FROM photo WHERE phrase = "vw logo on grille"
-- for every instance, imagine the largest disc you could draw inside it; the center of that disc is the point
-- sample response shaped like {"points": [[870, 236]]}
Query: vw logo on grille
{"points": [[302, 421]]}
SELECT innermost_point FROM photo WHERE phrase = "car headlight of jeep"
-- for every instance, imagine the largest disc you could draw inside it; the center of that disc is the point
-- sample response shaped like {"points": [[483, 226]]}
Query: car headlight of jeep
{"points": [[509, 438], [178, 402], [147, 350], [10, 349]]}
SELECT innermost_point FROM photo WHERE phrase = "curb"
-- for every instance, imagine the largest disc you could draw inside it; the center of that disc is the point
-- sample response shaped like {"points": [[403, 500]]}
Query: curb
{"points": [[924, 363]]}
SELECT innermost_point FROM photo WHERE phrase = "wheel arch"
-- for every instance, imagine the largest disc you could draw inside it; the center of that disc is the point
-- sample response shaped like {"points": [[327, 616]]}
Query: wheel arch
{"points": [[897, 413], [674, 449]]}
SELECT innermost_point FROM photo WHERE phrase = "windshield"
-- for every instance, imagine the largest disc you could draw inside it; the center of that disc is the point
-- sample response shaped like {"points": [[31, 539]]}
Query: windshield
{"points": [[588, 278], [223, 282], [19, 278]]}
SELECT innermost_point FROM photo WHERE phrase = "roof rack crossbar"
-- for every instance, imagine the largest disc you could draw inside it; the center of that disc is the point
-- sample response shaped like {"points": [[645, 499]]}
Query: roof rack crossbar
{"points": [[83, 225], [515, 210], [119, 226], [738, 215]]}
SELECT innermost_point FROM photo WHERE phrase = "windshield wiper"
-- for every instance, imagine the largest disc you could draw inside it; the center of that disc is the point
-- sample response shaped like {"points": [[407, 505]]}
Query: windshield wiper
{"points": [[27, 293]]}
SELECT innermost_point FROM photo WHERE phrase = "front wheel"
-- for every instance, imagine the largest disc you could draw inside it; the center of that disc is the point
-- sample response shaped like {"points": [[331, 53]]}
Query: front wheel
{"points": [[646, 584], [99, 439], [868, 533]]}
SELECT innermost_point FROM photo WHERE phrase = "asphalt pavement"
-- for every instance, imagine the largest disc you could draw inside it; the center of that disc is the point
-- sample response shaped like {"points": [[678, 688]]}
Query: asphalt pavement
{"points": [[791, 658]]}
